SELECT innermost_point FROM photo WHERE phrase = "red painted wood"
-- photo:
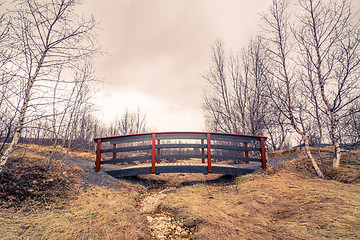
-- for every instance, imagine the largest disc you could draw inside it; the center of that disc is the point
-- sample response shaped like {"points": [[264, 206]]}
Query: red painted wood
{"points": [[114, 154], [202, 151], [98, 155], [138, 134], [153, 151], [153, 147], [208, 140], [158, 152], [263, 155], [246, 152]]}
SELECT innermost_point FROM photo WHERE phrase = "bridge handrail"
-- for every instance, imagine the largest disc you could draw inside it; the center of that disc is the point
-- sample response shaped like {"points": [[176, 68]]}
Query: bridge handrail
{"points": [[155, 147]]}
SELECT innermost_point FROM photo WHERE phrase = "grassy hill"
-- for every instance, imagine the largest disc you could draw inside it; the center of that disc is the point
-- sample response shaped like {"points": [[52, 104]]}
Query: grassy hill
{"points": [[42, 199]]}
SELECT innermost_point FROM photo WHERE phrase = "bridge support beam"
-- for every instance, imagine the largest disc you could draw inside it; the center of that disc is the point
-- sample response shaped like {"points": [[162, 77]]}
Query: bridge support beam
{"points": [[246, 152], [153, 153], [98, 155], [202, 151], [114, 154], [158, 151], [208, 141], [262, 151]]}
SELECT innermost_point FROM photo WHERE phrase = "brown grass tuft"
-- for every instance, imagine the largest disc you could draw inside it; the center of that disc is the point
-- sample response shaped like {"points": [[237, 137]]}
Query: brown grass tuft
{"points": [[283, 205], [32, 180], [97, 213]]}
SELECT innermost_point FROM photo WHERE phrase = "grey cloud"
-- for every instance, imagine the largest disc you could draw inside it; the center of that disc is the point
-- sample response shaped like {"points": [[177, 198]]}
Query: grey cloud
{"points": [[161, 48]]}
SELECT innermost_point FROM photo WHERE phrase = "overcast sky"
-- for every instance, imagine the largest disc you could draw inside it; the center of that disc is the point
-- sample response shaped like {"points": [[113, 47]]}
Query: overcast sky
{"points": [[158, 51]]}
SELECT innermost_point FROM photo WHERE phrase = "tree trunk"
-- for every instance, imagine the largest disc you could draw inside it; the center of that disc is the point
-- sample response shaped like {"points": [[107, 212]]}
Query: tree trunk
{"points": [[337, 155], [20, 124], [308, 153], [321, 81]]}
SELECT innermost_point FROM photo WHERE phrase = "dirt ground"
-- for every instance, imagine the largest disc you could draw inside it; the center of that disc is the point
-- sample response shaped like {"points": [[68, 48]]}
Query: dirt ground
{"points": [[286, 202]]}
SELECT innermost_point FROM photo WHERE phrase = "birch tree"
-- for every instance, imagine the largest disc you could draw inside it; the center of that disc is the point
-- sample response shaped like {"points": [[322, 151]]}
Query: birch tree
{"points": [[47, 35], [6, 115], [328, 36], [284, 88]]}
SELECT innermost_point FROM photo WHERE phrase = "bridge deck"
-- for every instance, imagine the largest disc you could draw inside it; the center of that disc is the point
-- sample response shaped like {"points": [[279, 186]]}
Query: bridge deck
{"points": [[179, 168]]}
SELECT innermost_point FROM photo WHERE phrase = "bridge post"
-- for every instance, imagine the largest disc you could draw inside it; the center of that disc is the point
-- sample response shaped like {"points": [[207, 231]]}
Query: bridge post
{"points": [[114, 154], [263, 156], [246, 152], [158, 151], [202, 151], [98, 155], [153, 153], [208, 151]]}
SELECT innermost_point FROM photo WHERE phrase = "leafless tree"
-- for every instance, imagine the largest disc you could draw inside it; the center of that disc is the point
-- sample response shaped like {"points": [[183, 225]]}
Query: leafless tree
{"points": [[129, 123], [251, 86], [218, 102], [284, 88], [47, 36], [6, 115], [328, 44], [234, 101], [68, 113], [277, 129], [350, 129]]}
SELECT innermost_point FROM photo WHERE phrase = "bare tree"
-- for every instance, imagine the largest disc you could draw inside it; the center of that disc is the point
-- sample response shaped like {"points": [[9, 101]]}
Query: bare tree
{"points": [[47, 35], [6, 115], [277, 128], [218, 103], [284, 88], [234, 101], [351, 126], [68, 110], [251, 86], [328, 39], [129, 123]]}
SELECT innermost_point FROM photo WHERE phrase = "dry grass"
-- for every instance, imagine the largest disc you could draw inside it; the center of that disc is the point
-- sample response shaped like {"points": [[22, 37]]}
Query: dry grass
{"points": [[33, 180], [43, 199], [349, 171], [97, 213], [47, 150], [286, 203], [283, 205], [299, 151]]}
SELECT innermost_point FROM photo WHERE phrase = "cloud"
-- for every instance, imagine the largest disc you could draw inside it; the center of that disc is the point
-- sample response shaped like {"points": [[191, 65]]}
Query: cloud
{"points": [[160, 49]]}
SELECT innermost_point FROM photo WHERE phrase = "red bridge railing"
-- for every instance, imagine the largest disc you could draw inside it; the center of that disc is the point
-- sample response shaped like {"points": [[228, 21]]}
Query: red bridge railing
{"points": [[230, 144]]}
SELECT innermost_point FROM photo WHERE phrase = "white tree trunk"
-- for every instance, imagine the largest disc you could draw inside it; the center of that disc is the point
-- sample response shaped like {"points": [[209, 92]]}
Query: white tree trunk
{"points": [[314, 164], [20, 123]]}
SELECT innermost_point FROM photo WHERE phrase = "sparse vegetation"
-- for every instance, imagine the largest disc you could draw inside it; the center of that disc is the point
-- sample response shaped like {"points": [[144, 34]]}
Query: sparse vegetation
{"points": [[32, 180], [289, 202]]}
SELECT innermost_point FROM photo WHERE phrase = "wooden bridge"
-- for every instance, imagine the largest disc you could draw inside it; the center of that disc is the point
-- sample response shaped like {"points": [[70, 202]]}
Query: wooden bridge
{"points": [[176, 152]]}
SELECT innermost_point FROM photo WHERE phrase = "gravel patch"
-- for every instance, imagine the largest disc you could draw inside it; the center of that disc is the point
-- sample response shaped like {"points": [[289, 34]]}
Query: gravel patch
{"points": [[90, 177], [162, 224], [101, 178]]}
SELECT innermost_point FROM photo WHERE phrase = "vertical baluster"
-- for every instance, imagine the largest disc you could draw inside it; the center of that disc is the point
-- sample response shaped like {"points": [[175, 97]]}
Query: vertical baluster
{"points": [[202, 151], [98, 155], [158, 151], [153, 153], [208, 151], [263, 156], [246, 152]]}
